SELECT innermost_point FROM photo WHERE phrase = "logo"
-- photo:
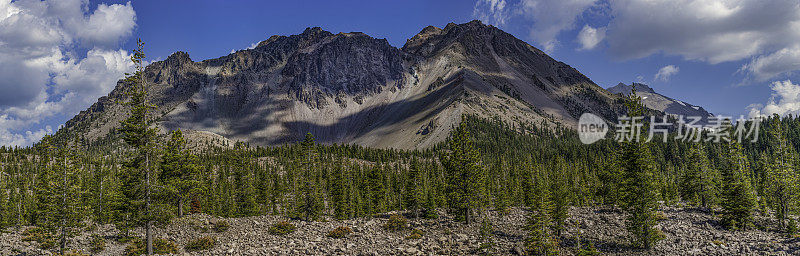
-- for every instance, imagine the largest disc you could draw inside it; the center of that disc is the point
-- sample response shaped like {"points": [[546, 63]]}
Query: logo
{"points": [[591, 128]]}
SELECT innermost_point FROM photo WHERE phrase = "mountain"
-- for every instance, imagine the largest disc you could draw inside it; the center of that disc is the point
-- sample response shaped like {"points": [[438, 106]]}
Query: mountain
{"points": [[656, 101], [353, 88]]}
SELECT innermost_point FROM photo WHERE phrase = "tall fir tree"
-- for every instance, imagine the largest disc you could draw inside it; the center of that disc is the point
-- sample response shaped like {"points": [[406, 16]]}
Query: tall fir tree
{"points": [[538, 238], [309, 201], [466, 176], [138, 133], [700, 182], [782, 177], [179, 173], [738, 198], [413, 192], [638, 191]]}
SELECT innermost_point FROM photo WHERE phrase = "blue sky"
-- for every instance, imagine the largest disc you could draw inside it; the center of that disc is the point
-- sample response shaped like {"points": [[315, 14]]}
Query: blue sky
{"points": [[725, 55]]}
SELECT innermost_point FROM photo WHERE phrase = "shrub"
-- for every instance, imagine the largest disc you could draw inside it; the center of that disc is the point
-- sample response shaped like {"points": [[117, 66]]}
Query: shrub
{"points": [[415, 234], [200, 244], [221, 226], [396, 223], [791, 229], [39, 235], [660, 216], [587, 249], [281, 228], [97, 243], [340, 232], [160, 246]]}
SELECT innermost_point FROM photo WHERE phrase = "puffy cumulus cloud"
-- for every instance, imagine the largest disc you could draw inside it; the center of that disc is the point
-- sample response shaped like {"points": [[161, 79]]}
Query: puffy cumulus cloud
{"points": [[773, 65], [21, 139], [785, 100], [666, 72], [590, 37], [45, 72], [551, 18], [713, 31], [491, 11]]}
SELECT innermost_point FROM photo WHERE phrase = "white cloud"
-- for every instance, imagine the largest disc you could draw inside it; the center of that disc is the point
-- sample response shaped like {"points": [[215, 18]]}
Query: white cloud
{"points": [[550, 18], [773, 65], [666, 72], [713, 31], [590, 37], [45, 73], [252, 46], [491, 11], [709, 30], [785, 100]]}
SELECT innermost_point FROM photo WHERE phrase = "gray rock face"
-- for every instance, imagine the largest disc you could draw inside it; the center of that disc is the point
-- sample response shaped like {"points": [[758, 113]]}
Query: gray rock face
{"points": [[352, 88], [656, 101]]}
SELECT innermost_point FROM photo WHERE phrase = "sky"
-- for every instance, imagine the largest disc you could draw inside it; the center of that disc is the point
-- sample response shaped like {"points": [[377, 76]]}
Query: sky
{"points": [[733, 57]]}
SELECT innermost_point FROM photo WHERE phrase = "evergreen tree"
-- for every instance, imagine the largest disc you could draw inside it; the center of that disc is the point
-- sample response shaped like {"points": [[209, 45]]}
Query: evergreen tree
{"points": [[782, 177], [244, 184], [339, 191], [738, 199], [466, 176], [68, 210], [310, 204], [539, 240], [639, 193], [700, 182], [137, 132], [179, 173], [559, 206], [376, 191], [413, 195]]}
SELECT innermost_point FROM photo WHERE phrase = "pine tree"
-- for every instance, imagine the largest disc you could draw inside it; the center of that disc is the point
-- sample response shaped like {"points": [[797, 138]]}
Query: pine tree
{"points": [[137, 132], [782, 177], [700, 183], [68, 210], [179, 173], [244, 187], [560, 205], [339, 191], [376, 191], [638, 191], [413, 195], [538, 239], [466, 176], [738, 199], [309, 205]]}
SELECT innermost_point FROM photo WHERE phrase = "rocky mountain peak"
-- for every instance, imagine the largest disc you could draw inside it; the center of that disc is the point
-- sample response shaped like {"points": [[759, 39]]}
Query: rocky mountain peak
{"points": [[271, 39], [625, 89], [471, 35], [314, 33], [178, 58], [353, 88], [657, 101]]}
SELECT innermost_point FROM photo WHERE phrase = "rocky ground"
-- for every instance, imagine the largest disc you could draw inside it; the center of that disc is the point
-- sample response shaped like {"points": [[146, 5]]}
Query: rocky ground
{"points": [[687, 232]]}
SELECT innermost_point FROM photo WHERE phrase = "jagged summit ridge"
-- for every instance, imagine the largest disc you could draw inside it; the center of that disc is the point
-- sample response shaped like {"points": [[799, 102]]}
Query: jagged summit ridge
{"points": [[353, 88]]}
